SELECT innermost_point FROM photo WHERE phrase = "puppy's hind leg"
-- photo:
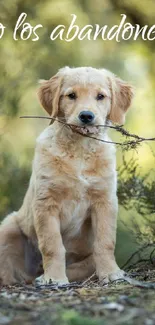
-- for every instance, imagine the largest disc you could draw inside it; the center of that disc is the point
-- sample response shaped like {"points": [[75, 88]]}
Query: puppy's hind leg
{"points": [[12, 263], [81, 270]]}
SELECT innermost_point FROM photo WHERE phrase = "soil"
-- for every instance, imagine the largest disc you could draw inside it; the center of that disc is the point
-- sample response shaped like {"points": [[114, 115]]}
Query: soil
{"points": [[121, 303]]}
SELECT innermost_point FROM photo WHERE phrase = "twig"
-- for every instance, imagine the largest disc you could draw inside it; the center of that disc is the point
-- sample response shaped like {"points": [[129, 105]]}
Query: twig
{"points": [[135, 253], [120, 129], [54, 286], [73, 125], [89, 279]]}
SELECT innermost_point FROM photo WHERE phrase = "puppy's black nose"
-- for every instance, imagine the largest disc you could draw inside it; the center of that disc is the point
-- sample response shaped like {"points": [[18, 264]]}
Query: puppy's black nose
{"points": [[86, 117]]}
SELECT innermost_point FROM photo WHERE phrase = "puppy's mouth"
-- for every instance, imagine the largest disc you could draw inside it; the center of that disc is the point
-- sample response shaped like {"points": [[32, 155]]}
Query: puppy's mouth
{"points": [[86, 130]]}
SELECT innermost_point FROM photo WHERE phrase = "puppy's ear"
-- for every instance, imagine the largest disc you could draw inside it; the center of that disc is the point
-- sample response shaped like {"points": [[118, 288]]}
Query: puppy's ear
{"points": [[49, 94], [122, 94]]}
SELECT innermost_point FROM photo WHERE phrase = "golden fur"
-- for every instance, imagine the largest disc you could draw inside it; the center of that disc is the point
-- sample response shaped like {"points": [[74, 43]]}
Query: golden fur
{"points": [[66, 227]]}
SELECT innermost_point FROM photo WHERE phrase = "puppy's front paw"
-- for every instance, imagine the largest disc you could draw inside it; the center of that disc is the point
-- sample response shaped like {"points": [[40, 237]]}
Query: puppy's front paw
{"points": [[46, 279], [113, 276], [118, 275]]}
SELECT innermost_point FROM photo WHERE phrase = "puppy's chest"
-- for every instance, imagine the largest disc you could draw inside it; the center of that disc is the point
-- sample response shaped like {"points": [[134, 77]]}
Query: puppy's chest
{"points": [[86, 171], [87, 178], [77, 178]]}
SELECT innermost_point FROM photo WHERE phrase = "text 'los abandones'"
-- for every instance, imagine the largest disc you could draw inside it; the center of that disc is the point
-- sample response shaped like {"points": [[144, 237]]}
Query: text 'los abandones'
{"points": [[125, 31]]}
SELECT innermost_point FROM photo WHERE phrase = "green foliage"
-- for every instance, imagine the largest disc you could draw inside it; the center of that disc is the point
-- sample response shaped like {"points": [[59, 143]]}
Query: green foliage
{"points": [[136, 193], [13, 182]]}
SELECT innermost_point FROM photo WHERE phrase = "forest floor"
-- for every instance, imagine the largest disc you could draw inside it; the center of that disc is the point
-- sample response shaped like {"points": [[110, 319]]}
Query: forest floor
{"points": [[121, 303]]}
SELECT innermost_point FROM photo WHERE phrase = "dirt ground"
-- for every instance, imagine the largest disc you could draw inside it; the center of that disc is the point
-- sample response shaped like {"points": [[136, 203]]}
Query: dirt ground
{"points": [[120, 303]]}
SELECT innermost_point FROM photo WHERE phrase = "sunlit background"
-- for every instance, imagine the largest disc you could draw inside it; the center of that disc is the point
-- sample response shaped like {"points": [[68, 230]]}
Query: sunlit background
{"points": [[23, 63]]}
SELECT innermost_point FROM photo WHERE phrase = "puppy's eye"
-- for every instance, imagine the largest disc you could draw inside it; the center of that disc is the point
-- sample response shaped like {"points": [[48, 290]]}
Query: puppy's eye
{"points": [[72, 96], [100, 97]]}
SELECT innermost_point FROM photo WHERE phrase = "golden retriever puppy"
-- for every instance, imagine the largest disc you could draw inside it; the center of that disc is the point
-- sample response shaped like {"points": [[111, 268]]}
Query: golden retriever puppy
{"points": [[66, 227]]}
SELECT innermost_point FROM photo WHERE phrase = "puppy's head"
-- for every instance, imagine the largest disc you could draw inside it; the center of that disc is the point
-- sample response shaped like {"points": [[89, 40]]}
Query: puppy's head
{"points": [[86, 97]]}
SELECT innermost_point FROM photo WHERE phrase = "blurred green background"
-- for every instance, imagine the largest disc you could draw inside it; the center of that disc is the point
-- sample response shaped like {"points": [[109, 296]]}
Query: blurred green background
{"points": [[22, 63]]}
